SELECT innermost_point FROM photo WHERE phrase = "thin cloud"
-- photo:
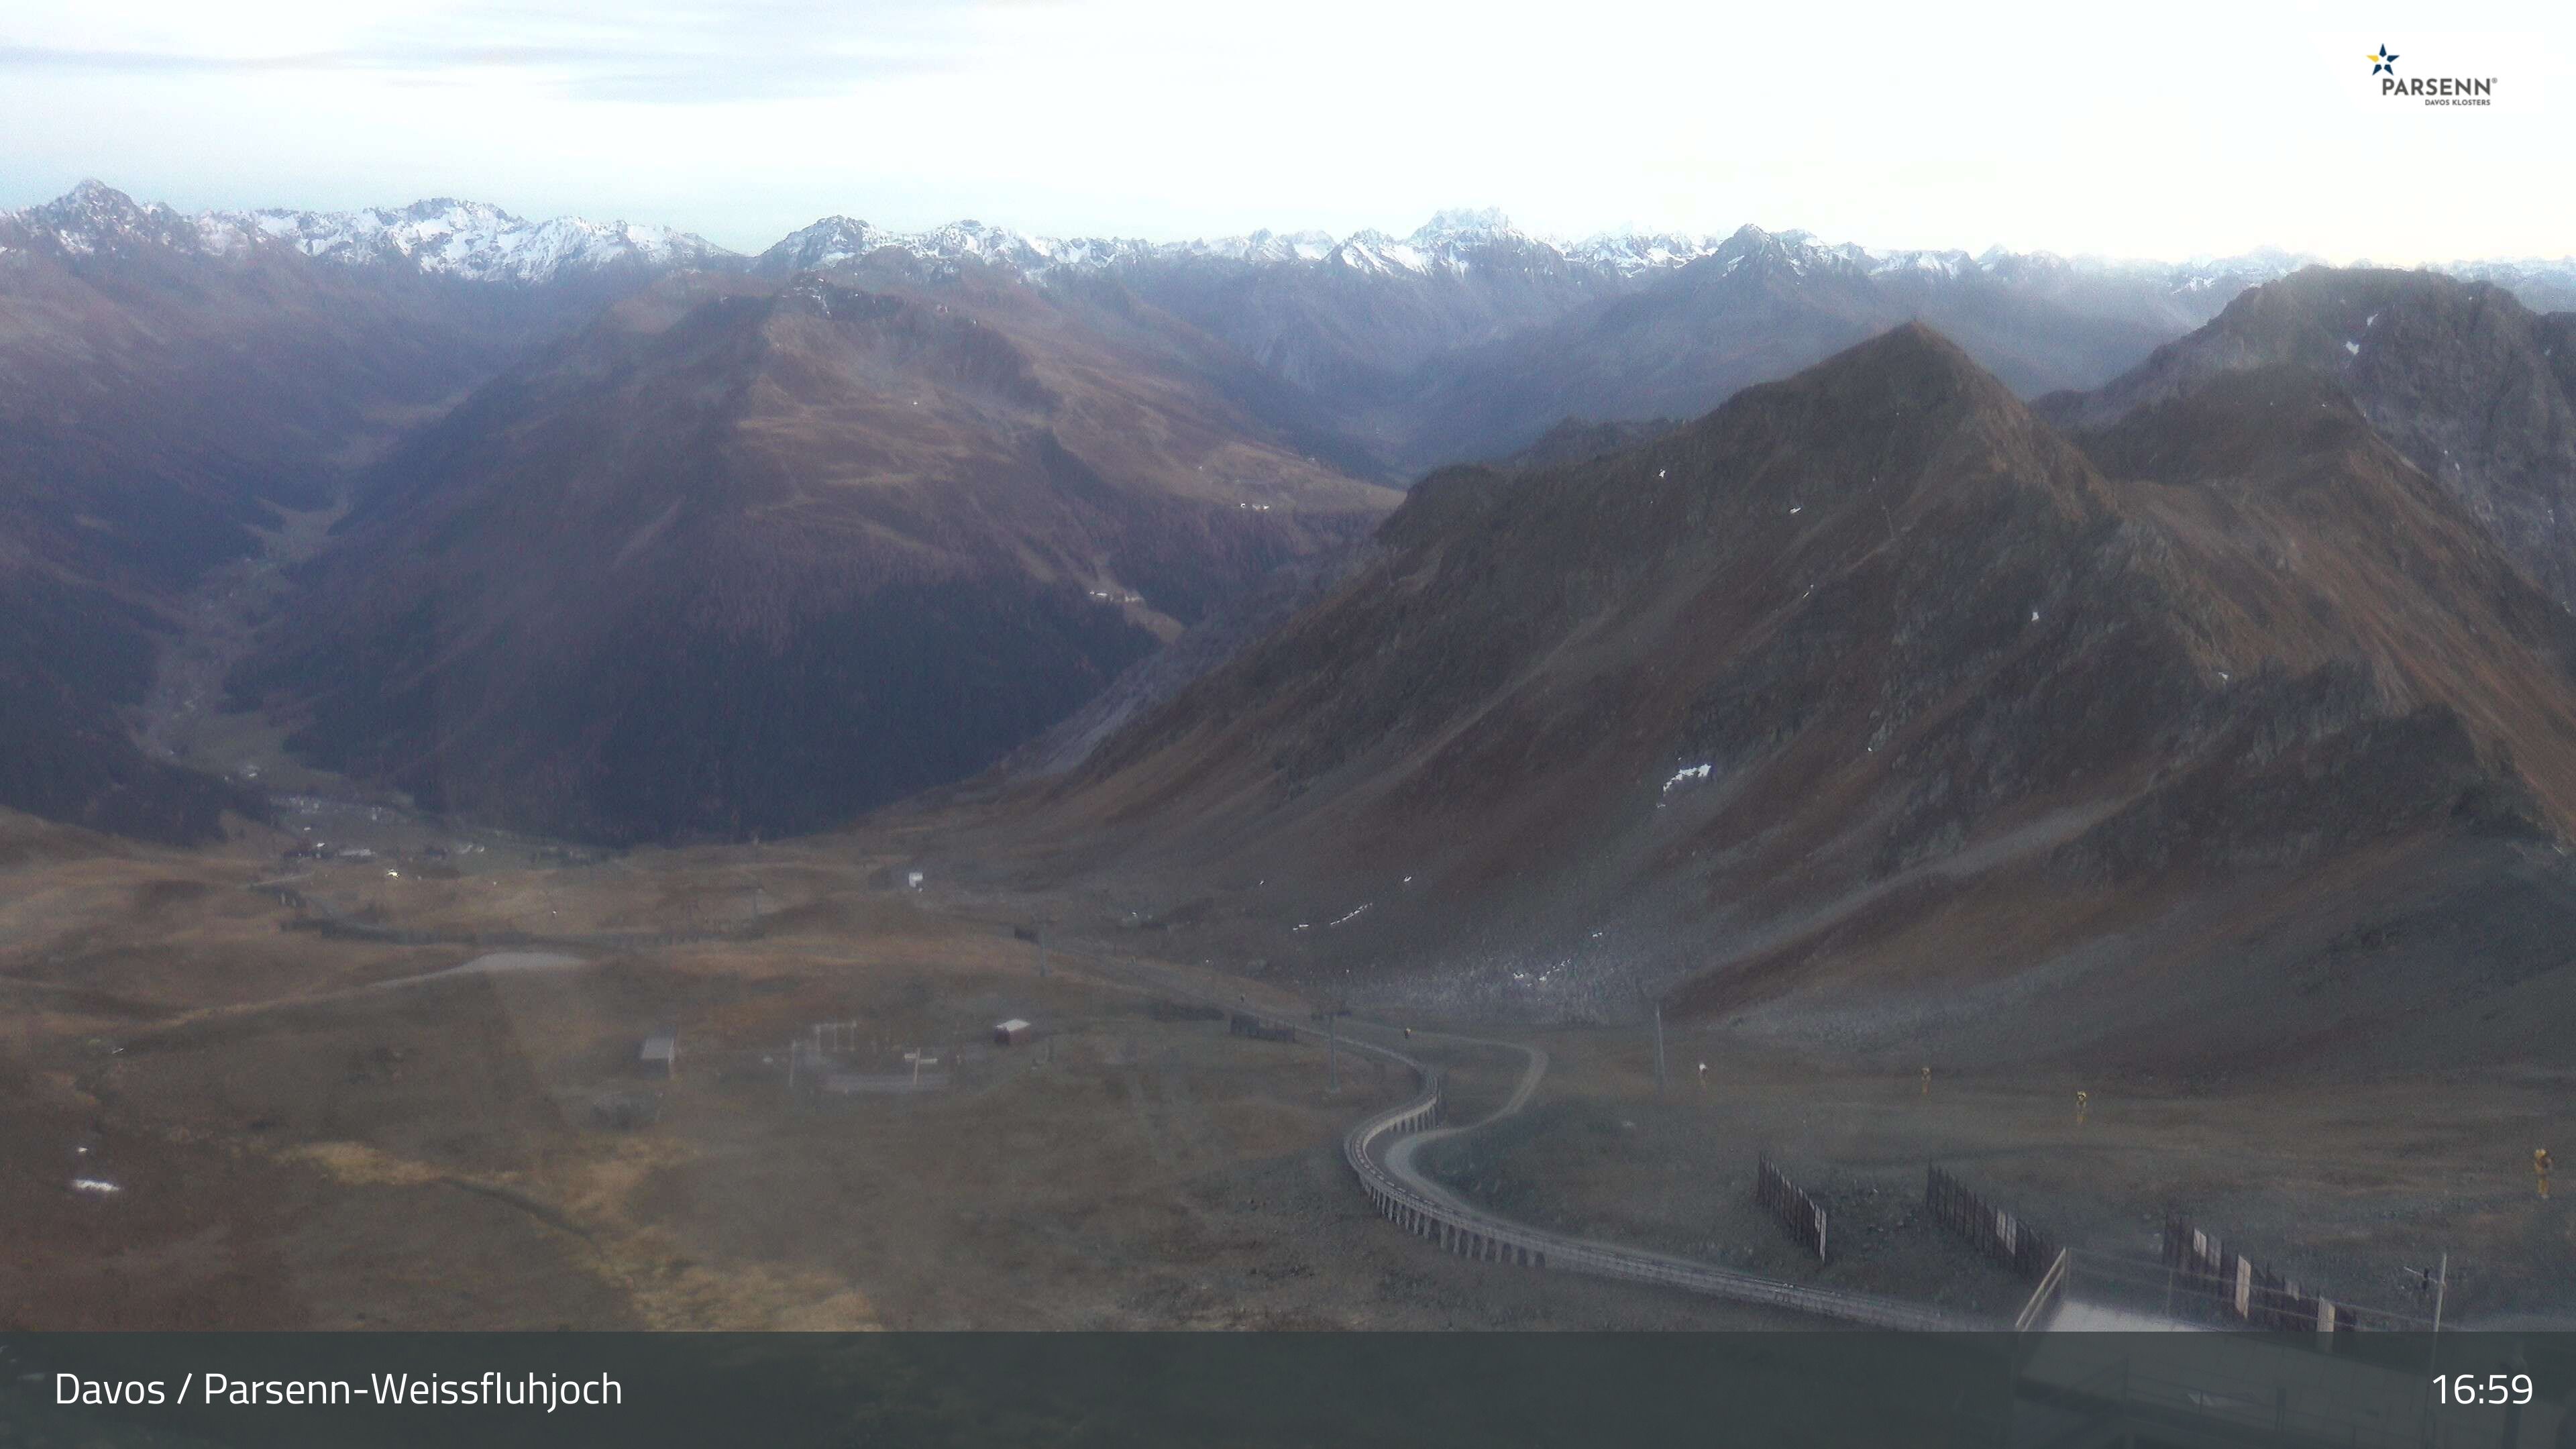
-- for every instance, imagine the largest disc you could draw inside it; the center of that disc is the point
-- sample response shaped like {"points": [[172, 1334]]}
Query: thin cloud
{"points": [[159, 62], [691, 56]]}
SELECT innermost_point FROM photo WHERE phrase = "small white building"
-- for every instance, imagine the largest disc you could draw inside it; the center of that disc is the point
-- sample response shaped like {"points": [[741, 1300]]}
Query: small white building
{"points": [[661, 1050], [1013, 1032]]}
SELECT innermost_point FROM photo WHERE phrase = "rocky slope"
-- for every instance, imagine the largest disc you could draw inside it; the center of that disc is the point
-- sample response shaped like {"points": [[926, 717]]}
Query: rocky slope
{"points": [[1871, 685], [2474, 387]]}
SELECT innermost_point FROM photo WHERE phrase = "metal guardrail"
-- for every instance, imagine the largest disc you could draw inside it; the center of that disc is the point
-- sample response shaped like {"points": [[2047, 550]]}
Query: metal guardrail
{"points": [[2044, 1297], [1474, 1234]]}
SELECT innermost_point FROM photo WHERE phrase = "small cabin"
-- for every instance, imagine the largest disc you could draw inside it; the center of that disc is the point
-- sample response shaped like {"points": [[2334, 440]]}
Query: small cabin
{"points": [[661, 1054], [1013, 1032]]}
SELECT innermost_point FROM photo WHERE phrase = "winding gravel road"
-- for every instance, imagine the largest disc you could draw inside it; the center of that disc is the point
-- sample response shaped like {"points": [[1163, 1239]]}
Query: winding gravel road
{"points": [[1383, 1150]]}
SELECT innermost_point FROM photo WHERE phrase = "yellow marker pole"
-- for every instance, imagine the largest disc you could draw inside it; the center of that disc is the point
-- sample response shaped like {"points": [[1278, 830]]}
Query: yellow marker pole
{"points": [[2540, 1169], [2081, 1100]]}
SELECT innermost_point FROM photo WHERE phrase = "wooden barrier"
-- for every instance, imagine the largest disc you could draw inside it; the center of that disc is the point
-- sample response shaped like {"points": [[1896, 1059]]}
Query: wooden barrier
{"points": [[2225, 1285], [1998, 1234], [1801, 1215], [1244, 1024]]}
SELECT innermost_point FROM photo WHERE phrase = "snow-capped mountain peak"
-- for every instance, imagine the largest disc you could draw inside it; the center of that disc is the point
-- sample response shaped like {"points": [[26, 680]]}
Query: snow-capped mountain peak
{"points": [[95, 217], [471, 241], [1631, 252], [1264, 245], [474, 241], [835, 240], [825, 243], [1462, 224]]}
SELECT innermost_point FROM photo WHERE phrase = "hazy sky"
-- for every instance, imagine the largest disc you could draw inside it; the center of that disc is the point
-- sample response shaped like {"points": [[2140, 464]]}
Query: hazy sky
{"points": [[2158, 130]]}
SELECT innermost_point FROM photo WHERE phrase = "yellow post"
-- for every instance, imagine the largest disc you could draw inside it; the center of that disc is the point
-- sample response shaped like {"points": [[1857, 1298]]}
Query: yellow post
{"points": [[2081, 1100], [2540, 1168]]}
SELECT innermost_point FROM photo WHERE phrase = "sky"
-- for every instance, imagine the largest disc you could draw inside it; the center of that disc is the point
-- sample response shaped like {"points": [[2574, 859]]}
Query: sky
{"points": [[2166, 131]]}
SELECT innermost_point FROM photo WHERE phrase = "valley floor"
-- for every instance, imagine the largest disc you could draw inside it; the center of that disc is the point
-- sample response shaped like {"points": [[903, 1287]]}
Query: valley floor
{"points": [[209, 1120], [240, 1093], [185, 716]]}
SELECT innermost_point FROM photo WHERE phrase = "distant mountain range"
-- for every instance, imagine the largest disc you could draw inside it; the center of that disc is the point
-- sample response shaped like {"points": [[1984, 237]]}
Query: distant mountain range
{"points": [[478, 242], [1471, 338], [1467, 337], [464, 240], [1012, 463]]}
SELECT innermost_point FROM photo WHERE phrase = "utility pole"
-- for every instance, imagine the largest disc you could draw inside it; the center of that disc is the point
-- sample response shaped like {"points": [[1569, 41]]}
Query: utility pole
{"points": [[2441, 1290], [1657, 1003], [1041, 950]]}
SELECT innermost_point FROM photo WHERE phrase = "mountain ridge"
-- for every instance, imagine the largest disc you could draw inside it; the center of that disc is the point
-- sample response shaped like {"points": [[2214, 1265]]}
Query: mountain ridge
{"points": [[749, 555], [480, 241], [1871, 680], [2476, 389]]}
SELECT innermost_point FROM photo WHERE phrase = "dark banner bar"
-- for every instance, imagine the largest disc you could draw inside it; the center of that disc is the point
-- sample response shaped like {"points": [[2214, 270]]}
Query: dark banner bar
{"points": [[782, 1391]]}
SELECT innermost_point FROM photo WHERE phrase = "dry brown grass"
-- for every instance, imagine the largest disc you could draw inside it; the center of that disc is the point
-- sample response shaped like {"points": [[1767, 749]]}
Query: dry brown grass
{"points": [[423, 1156]]}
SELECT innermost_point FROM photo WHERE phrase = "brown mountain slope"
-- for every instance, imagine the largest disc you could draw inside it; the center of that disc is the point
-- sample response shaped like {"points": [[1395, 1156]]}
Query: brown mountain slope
{"points": [[157, 397], [750, 555], [1869, 687]]}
